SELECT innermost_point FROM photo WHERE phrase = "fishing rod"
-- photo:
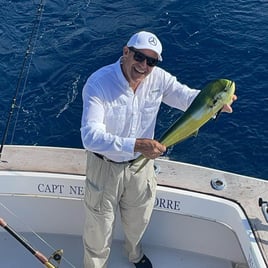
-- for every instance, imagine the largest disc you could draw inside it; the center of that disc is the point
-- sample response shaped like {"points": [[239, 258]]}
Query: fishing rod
{"points": [[56, 256], [29, 49]]}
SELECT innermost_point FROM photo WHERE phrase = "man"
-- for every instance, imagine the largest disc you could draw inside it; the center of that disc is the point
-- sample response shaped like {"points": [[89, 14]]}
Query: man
{"points": [[120, 105]]}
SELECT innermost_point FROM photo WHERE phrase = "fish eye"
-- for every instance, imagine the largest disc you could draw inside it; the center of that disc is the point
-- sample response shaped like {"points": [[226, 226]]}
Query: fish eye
{"points": [[215, 101], [226, 89]]}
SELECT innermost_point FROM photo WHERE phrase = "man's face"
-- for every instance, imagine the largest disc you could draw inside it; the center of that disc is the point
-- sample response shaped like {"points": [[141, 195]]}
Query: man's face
{"points": [[136, 70]]}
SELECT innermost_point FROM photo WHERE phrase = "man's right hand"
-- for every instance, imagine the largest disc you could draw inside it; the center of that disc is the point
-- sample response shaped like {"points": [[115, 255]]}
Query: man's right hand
{"points": [[149, 148]]}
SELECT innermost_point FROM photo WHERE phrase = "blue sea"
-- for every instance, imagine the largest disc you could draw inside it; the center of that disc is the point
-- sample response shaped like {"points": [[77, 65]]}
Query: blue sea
{"points": [[202, 40]]}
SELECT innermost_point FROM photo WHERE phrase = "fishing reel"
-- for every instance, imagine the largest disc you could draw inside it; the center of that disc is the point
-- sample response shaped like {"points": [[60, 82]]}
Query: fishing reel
{"points": [[55, 258]]}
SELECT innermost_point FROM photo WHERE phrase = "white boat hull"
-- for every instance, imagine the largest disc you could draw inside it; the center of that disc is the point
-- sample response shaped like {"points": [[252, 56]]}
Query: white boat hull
{"points": [[188, 228]]}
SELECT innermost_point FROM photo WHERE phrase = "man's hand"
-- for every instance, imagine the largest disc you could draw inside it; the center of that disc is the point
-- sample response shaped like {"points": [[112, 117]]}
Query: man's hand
{"points": [[149, 148]]}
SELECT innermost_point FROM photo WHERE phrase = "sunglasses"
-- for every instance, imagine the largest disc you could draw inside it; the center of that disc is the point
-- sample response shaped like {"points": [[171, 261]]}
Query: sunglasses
{"points": [[140, 57]]}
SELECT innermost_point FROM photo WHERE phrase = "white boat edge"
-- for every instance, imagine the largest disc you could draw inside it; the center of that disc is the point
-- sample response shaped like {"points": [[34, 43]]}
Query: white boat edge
{"points": [[240, 192]]}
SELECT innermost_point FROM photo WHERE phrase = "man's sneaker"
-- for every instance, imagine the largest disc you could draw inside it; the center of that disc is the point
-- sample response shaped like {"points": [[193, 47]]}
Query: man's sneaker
{"points": [[144, 263]]}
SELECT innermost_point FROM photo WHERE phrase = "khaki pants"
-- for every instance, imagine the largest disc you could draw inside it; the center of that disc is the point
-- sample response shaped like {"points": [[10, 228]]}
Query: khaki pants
{"points": [[109, 186]]}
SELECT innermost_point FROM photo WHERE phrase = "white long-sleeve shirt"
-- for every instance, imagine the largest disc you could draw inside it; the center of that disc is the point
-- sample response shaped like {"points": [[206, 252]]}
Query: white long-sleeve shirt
{"points": [[114, 116]]}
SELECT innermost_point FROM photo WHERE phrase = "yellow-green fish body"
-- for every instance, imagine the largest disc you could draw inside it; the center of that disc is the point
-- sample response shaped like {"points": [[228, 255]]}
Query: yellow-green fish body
{"points": [[207, 104]]}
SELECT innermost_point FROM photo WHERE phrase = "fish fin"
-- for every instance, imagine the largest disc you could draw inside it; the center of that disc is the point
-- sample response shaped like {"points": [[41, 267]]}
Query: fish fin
{"points": [[195, 133]]}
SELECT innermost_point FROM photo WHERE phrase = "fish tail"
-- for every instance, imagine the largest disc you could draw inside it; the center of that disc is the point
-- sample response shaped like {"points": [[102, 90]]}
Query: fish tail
{"points": [[144, 162]]}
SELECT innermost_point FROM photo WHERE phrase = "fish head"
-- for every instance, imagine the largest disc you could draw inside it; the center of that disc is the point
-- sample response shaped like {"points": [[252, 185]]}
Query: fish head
{"points": [[219, 93]]}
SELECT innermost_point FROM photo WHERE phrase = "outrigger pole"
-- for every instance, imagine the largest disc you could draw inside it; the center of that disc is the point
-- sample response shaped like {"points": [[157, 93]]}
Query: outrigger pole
{"points": [[28, 52], [56, 256]]}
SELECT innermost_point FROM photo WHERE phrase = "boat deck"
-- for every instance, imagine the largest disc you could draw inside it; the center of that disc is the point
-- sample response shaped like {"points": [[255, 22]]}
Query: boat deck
{"points": [[73, 250]]}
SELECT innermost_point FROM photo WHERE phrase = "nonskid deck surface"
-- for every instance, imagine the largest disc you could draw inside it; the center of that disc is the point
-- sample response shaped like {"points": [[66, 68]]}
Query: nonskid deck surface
{"points": [[13, 255]]}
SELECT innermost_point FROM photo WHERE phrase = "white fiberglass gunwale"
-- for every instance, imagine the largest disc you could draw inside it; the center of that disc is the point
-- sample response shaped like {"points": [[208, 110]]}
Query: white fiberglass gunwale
{"points": [[52, 176]]}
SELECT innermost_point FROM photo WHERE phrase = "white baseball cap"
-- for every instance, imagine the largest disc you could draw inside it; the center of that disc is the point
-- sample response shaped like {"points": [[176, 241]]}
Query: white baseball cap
{"points": [[146, 40]]}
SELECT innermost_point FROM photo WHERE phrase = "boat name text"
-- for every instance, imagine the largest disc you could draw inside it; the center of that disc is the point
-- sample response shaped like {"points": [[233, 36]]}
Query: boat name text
{"points": [[163, 203], [60, 189]]}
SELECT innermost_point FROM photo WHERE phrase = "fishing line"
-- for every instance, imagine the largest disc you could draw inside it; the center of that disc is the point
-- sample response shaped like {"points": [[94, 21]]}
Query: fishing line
{"points": [[33, 232], [29, 51], [26, 225], [27, 58]]}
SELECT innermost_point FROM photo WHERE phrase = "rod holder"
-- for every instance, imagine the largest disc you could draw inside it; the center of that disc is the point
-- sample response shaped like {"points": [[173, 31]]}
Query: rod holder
{"points": [[264, 208]]}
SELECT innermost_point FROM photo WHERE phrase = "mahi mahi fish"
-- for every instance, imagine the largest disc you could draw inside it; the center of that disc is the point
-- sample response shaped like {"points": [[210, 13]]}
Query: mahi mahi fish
{"points": [[207, 104]]}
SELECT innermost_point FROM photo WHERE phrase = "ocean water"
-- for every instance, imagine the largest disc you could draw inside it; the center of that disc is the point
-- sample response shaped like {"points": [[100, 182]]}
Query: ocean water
{"points": [[202, 40]]}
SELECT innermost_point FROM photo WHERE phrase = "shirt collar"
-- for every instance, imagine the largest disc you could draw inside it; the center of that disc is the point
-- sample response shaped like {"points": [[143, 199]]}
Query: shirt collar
{"points": [[119, 72]]}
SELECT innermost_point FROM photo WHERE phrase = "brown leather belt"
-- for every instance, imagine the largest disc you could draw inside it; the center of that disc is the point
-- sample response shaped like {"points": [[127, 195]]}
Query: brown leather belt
{"points": [[104, 158]]}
